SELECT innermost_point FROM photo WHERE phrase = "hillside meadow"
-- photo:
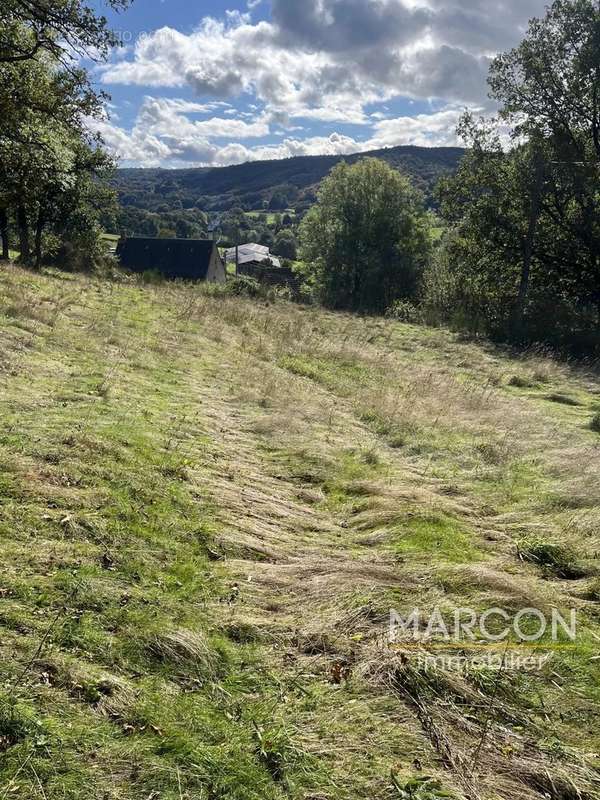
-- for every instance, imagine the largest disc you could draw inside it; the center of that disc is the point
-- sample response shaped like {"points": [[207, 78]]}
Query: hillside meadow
{"points": [[208, 507]]}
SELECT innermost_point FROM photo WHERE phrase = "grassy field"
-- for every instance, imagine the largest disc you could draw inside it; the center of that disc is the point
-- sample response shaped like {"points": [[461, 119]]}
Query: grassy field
{"points": [[208, 507]]}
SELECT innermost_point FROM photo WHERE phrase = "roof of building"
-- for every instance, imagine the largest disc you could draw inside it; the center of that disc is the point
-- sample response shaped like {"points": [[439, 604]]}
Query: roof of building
{"points": [[251, 248], [174, 258], [258, 258], [247, 253]]}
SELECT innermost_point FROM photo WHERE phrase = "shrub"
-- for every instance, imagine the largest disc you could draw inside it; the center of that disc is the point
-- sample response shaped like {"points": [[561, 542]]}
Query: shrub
{"points": [[446, 298], [81, 252], [595, 423], [243, 286], [404, 311]]}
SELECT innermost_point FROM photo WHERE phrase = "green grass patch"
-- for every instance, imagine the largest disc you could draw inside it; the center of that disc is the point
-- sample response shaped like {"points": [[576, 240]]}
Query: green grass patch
{"points": [[336, 374], [436, 536]]}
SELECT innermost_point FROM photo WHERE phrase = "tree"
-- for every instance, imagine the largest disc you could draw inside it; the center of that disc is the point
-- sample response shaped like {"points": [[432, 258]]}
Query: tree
{"points": [[366, 238], [549, 88], [49, 161], [492, 202], [40, 144], [80, 201], [4, 235], [285, 245], [184, 229], [279, 200], [57, 27], [527, 221], [266, 238]]}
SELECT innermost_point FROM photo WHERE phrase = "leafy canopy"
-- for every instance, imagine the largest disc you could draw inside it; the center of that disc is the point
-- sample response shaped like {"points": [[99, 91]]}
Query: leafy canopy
{"points": [[58, 27], [524, 256], [366, 239], [50, 163]]}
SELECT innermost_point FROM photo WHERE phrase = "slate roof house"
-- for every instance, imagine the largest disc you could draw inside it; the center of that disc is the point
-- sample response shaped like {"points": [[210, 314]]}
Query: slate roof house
{"points": [[184, 259]]}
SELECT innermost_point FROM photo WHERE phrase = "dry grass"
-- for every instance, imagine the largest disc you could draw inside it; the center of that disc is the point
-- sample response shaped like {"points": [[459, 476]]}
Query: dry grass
{"points": [[344, 466]]}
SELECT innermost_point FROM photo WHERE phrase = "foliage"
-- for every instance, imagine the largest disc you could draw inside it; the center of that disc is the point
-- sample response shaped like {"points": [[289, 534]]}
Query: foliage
{"points": [[51, 168], [285, 245], [251, 186], [34, 27], [404, 311], [244, 286], [366, 237], [526, 246], [283, 197], [420, 788]]}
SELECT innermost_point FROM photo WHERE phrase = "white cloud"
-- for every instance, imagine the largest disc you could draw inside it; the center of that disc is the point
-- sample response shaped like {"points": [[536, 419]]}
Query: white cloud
{"points": [[333, 53], [316, 60], [167, 118], [164, 132], [181, 143], [424, 130]]}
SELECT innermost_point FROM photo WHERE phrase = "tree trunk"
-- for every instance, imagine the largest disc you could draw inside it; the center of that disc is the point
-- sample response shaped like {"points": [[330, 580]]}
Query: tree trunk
{"points": [[23, 226], [39, 229], [4, 234], [528, 245]]}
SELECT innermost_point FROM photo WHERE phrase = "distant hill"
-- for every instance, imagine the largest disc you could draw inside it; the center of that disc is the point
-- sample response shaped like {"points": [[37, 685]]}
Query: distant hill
{"points": [[291, 182]]}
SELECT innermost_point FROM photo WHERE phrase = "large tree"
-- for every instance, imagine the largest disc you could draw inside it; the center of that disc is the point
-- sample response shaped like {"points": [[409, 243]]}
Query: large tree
{"points": [[527, 215], [41, 140], [49, 160], [366, 239]]}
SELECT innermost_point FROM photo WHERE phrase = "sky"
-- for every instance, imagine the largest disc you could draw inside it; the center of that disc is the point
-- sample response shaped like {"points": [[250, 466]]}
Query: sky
{"points": [[228, 81]]}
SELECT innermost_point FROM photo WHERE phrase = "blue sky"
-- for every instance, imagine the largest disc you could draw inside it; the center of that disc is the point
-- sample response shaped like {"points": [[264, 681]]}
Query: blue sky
{"points": [[223, 82]]}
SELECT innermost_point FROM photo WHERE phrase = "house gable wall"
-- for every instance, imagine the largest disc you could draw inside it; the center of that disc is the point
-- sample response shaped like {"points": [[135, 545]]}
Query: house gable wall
{"points": [[216, 269]]}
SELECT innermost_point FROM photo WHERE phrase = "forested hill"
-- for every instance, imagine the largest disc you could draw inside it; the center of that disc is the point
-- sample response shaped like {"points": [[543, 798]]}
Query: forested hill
{"points": [[281, 184]]}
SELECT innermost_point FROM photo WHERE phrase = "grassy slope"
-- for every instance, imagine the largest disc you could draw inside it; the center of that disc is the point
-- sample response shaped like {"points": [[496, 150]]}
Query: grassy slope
{"points": [[207, 508]]}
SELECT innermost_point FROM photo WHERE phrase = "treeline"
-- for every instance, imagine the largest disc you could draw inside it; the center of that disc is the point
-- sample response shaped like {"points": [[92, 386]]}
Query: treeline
{"points": [[213, 190], [269, 185], [275, 230], [520, 256], [185, 224], [52, 192]]}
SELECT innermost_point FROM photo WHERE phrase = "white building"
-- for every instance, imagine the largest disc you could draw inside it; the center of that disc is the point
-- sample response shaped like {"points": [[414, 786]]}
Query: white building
{"points": [[251, 253]]}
